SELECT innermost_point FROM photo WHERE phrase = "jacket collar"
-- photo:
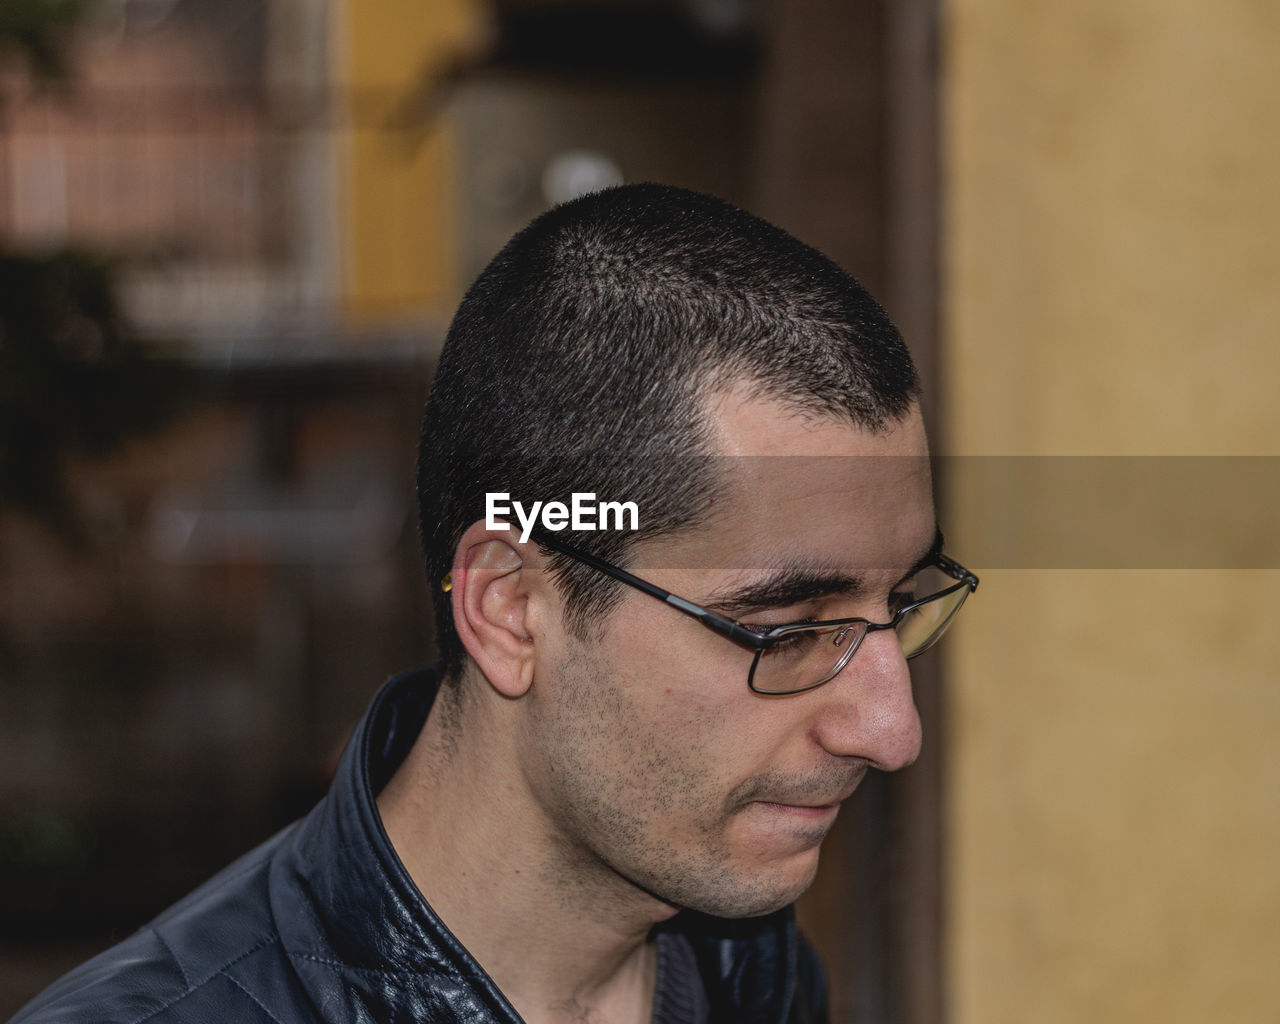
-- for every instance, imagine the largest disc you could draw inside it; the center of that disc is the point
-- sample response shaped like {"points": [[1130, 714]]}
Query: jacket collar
{"points": [[367, 920]]}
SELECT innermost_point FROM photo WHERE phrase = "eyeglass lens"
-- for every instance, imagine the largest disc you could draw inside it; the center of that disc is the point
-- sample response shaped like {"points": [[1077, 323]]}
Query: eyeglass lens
{"points": [[809, 657]]}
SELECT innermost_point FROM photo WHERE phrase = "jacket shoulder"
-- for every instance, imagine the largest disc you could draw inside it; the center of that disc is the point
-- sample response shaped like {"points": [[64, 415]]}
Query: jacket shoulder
{"points": [[215, 956], [809, 1005]]}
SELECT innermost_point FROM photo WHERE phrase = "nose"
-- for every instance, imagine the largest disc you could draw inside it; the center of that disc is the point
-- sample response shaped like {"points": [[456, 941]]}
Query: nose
{"points": [[868, 710]]}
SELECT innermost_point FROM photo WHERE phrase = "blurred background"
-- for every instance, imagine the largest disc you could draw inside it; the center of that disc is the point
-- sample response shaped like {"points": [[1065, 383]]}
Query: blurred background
{"points": [[232, 233]]}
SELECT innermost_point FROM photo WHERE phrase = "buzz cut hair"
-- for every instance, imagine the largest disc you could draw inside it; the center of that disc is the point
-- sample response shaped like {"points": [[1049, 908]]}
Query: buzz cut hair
{"points": [[585, 355]]}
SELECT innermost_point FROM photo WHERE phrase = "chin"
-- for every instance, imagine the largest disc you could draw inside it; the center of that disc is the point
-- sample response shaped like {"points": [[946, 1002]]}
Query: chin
{"points": [[752, 892]]}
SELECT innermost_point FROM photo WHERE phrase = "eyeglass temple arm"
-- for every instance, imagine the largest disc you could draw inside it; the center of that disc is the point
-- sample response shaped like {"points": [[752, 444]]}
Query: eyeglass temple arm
{"points": [[956, 571], [725, 627]]}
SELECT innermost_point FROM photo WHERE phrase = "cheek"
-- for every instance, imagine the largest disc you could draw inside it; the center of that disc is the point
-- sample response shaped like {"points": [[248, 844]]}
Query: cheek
{"points": [[646, 727], [690, 705], [690, 741]]}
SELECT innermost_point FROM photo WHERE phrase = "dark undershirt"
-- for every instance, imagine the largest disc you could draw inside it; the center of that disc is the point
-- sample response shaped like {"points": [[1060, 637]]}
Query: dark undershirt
{"points": [[679, 996]]}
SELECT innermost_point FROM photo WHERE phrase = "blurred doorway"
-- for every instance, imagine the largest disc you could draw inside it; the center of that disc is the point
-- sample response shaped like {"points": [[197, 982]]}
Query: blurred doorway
{"points": [[847, 159]]}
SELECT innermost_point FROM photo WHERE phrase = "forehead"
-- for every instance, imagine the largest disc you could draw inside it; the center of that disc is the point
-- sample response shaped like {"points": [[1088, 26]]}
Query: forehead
{"points": [[746, 425], [794, 489]]}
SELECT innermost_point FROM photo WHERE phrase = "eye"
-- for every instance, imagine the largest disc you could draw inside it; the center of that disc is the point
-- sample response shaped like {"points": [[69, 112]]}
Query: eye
{"points": [[764, 627], [899, 599], [794, 645]]}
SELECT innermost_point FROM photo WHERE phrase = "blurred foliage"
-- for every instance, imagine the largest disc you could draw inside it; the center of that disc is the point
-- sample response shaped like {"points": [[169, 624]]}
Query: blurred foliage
{"points": [[39, 30], [73, 381]]}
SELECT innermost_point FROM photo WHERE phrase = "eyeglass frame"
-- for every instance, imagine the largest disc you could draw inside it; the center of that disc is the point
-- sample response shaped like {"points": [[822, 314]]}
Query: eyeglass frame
{"points": [[761, 642]]}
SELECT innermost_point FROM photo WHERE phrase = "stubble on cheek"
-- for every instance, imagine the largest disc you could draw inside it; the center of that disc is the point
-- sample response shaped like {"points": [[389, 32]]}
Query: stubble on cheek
{"points": [[635, 800]]}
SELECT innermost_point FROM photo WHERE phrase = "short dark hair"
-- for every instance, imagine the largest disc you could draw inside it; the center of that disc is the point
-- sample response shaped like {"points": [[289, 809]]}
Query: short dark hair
{"points": [[586, 351]]}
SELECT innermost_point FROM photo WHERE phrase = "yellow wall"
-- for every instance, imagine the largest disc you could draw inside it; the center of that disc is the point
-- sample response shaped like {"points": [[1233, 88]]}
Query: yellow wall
{"points": [[397, 158], [1113, 286]]}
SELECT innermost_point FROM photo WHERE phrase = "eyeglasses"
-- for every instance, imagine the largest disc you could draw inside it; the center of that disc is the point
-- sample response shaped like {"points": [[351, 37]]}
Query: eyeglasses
{"points": [[803, 655]]}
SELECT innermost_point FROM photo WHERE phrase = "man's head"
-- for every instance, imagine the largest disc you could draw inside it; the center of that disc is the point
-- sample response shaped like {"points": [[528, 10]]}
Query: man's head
{"points": [[586, 355], [662, 347]]}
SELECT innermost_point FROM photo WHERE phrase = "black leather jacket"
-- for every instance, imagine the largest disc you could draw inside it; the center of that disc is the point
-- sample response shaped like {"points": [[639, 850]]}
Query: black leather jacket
{"points": [[321, 923]]}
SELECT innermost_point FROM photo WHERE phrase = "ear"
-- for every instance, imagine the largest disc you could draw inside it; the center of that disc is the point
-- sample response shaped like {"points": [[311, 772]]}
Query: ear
{"points": [[490, 603]]}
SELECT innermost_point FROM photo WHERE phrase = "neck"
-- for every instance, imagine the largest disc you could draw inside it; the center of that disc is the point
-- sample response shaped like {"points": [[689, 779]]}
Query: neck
{"points": [[562, 935]]}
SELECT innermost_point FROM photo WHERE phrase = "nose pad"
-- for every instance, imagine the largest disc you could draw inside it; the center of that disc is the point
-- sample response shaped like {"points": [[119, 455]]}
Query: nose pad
{"points": [[859, 634]]}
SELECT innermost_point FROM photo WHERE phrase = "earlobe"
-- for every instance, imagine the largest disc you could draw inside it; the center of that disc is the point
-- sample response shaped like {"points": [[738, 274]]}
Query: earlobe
{"points": [[490, 603]]}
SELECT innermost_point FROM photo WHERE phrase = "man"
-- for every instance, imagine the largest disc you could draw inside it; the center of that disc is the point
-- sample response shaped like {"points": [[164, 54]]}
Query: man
{"points": [[604, 805]]}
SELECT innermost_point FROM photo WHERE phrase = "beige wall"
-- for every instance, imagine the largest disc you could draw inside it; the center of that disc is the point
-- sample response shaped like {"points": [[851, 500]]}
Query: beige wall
{"points": [[398, 175], [1112, 177]]}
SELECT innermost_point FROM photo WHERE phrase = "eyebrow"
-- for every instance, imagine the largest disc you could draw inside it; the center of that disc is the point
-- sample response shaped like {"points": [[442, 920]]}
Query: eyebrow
{"points": [[795, 584]]}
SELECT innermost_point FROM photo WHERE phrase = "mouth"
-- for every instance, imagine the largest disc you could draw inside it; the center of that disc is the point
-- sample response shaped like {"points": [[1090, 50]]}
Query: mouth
{"points": [[808, 811], [814, 798], [819, 802]]}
